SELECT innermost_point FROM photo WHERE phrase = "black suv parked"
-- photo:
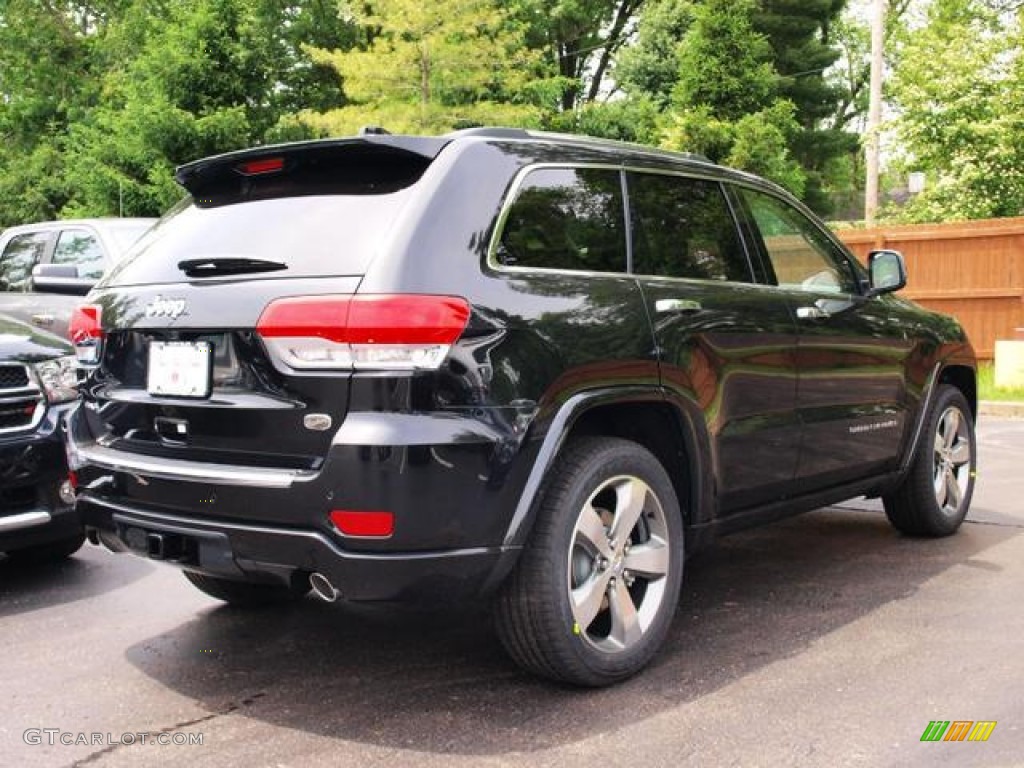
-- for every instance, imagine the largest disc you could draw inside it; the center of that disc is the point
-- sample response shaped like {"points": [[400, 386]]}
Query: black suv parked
{"points": [[37, 386], [501, 363]]}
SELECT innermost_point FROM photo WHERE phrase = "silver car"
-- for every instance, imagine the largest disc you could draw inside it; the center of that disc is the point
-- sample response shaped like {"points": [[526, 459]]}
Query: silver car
{"points": [[45, 267]]}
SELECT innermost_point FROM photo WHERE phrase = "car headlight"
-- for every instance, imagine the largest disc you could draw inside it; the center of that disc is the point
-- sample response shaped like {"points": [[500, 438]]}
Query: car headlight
{"points": [[59, 378]]}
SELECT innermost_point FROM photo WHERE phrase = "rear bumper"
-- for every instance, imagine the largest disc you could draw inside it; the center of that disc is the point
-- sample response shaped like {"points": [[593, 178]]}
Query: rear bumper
{"points": [[451, 482], [273, 554]]}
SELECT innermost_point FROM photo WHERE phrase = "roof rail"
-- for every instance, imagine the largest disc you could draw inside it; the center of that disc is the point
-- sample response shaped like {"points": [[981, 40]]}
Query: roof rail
{"points": [[579, 138], [493, 133]]}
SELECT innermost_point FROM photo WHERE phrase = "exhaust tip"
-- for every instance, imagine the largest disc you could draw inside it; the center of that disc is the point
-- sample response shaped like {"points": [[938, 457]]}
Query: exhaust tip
{"points": [[323, 588]]}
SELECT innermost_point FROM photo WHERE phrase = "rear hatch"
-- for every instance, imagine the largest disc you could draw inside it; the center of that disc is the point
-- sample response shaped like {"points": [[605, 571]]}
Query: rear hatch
{"points": [[185, 366]]}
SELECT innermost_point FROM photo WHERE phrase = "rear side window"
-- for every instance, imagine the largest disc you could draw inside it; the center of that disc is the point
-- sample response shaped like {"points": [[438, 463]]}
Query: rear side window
{"points": [[83, 250], [682, 227], [21, 254], [566, 218]]}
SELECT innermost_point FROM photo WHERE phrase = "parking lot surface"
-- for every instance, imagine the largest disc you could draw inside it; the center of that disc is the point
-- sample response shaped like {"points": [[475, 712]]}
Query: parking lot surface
{"points": [[824, 640]]}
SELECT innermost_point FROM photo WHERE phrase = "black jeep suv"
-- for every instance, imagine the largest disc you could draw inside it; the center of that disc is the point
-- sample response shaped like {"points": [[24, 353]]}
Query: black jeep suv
{"points": [[504, 363], [37, 387]]}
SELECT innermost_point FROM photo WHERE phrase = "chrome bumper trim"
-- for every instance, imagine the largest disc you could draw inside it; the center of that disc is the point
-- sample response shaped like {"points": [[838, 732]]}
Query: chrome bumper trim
{"points": [[178, 469], [29, 519]]}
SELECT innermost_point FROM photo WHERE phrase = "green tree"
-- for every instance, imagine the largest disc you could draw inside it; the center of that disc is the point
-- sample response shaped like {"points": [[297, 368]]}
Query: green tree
{"points": [[759, 62], [724, 62], [581, 38], [431, 67], [650, 66], [100, 100], [963, 124], [725, 104], [197, 86], [47, 55], [802, 36]]}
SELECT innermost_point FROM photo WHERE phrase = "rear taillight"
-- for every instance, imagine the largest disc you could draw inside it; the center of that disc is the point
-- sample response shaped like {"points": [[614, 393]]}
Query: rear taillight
{"points": [[382, 332], [86, 333]]}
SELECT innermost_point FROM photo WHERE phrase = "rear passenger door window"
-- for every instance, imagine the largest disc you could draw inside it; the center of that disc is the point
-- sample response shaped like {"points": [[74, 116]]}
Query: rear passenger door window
{"points": [[567, 219], [20, 254], [683, 227], [80, 248]]}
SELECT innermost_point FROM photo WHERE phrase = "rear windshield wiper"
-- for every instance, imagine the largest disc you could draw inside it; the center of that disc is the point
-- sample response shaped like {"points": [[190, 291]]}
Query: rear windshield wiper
{"points": [[227, 265]]}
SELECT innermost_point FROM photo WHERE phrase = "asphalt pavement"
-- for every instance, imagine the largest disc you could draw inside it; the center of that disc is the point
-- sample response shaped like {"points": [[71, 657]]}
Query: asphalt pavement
{"points": [[824, 640]]}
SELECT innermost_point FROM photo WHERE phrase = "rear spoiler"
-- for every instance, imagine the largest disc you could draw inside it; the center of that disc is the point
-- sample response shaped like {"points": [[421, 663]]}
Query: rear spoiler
{"points": [[370, 164]]}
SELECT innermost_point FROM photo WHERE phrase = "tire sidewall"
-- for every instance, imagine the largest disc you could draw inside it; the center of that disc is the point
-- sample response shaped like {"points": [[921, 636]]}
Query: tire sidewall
{"points": [[924, 469], [615, 458]]}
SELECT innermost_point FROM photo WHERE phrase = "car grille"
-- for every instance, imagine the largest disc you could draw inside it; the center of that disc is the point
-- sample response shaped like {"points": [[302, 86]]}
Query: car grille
{"points": [[13, 377], [21, 402]]}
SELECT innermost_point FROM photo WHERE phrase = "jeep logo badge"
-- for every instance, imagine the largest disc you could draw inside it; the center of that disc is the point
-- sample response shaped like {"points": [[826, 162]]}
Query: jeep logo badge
{"points": [[161, 307]]}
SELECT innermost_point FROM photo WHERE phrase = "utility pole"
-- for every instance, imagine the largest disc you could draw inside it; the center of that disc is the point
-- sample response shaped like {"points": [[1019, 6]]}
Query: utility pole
{"points": [[871, 145]]}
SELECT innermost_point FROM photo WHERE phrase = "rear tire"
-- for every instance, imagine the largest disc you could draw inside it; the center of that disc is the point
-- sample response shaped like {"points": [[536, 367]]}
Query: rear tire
{"points": [[245, 594], [934, 497], [595, 589]]}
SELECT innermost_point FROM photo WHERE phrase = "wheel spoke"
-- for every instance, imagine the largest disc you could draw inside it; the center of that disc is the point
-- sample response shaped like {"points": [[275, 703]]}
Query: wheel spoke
{"points": [[648, 560], [950, 428], [953, 496], [939, 483], [630, 497], [625, 622], [961, 453], [587, 599], [591, 533]]}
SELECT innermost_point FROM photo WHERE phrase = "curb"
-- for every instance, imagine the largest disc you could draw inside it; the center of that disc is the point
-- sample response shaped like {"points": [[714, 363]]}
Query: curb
{"points": [[1001, 410]]}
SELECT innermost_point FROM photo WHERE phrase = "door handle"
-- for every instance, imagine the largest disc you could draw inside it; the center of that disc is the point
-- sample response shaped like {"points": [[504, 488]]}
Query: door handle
{"points": [[815, 312], [677, 305], [43, 320]]}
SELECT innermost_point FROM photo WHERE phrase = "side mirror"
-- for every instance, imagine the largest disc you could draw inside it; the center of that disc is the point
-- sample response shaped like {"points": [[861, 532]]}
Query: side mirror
{"points": [[60, 278], [888, 271]]}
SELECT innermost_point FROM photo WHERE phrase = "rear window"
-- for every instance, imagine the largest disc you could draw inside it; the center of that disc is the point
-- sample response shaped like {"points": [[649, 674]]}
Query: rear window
{"points": [[126, 234], [320, 208], [314, 236]]}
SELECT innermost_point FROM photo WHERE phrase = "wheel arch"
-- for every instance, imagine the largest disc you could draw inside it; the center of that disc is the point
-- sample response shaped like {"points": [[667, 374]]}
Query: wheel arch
{"points": [[640, 414], [965, 379], [961, 376]]}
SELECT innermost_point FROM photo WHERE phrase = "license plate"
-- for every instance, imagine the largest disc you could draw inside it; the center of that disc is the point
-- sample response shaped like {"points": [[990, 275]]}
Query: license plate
{"points": [[180, 368]]}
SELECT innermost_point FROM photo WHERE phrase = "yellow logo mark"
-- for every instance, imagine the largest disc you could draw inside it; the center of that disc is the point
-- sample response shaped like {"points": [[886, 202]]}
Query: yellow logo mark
{"points": [[982, 730]]}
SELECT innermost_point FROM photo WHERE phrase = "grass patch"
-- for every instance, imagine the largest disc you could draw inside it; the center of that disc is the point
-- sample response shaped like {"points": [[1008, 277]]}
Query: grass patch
{"points": [[987, 389]]}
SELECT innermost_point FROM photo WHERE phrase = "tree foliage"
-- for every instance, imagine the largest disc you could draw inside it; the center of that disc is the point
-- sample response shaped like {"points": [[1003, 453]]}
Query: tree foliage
{"points": [[101, 99], [429, 67], [963, 124]]}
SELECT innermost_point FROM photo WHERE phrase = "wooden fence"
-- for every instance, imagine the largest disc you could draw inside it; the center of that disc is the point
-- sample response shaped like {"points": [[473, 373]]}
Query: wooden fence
{"points": [[972, 270]]}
